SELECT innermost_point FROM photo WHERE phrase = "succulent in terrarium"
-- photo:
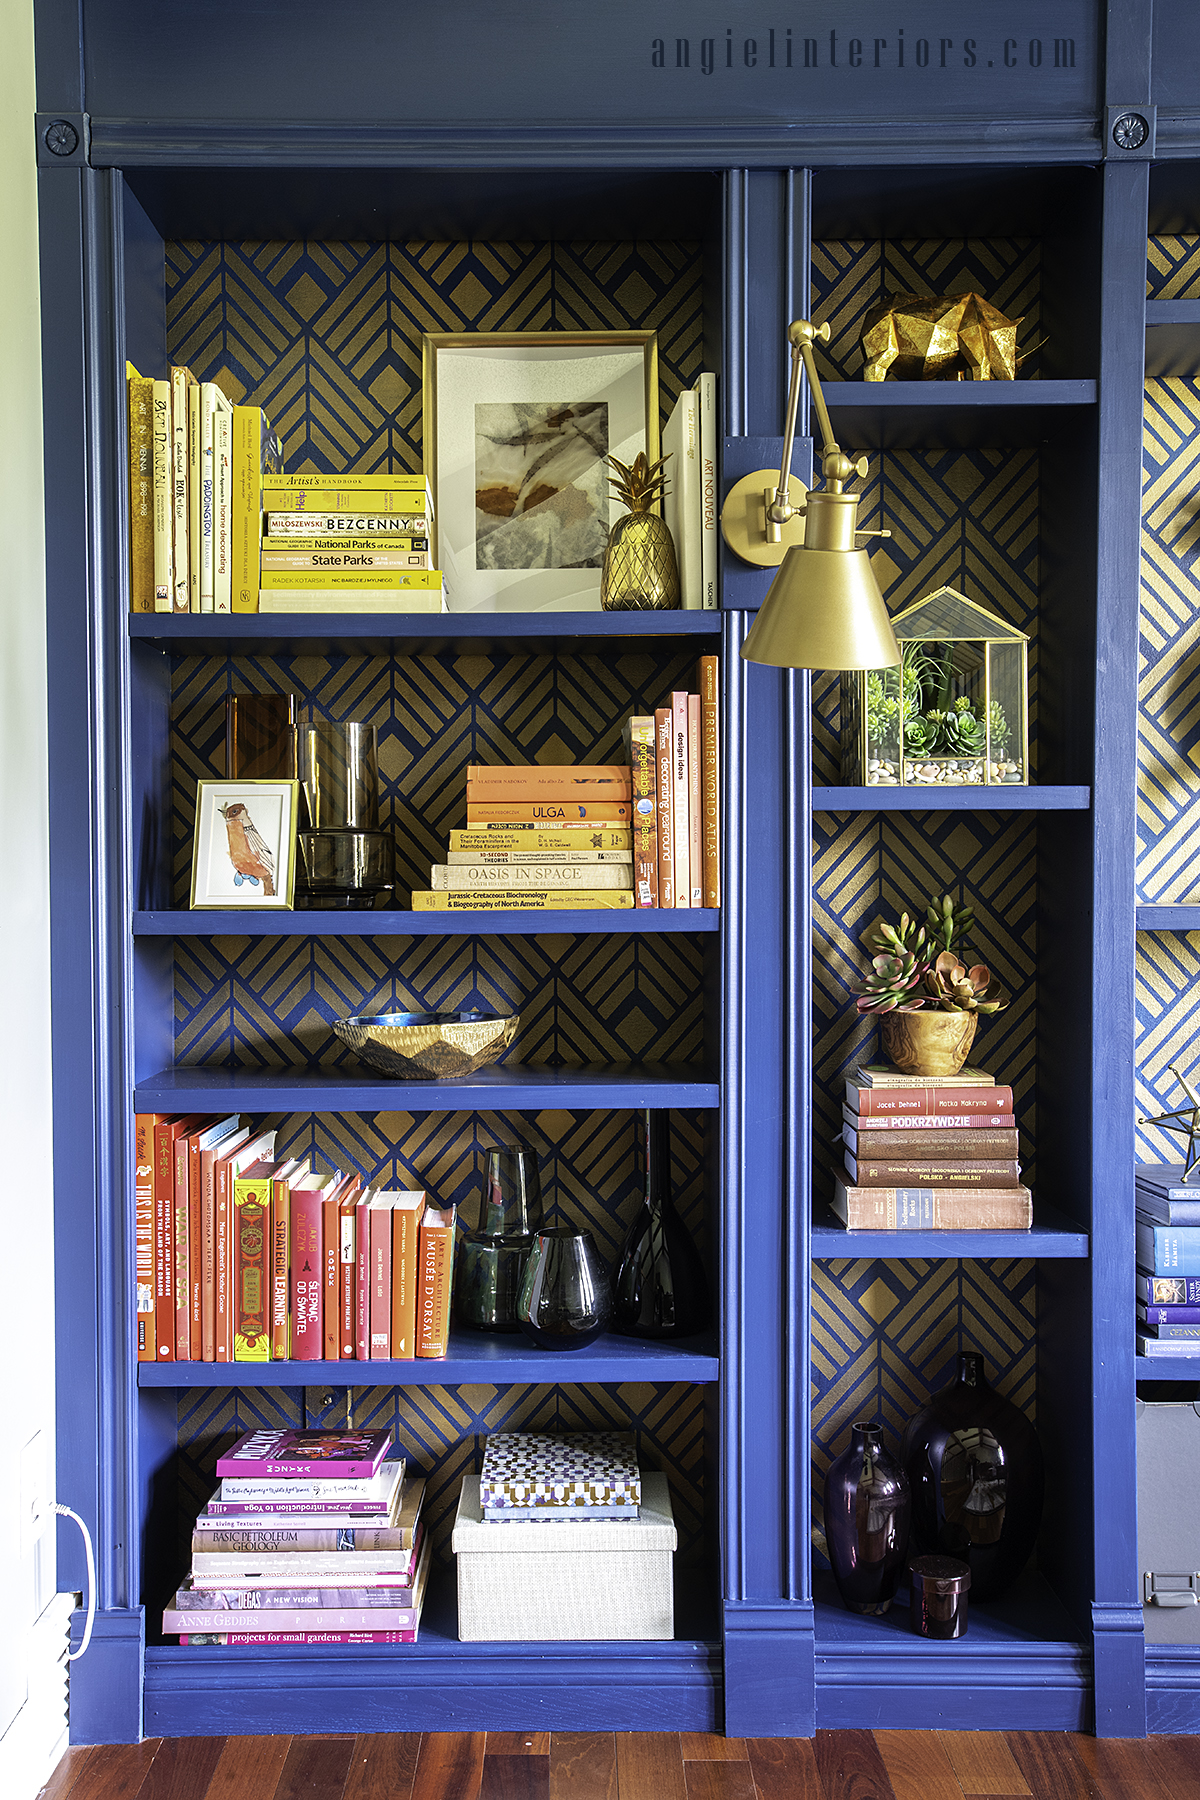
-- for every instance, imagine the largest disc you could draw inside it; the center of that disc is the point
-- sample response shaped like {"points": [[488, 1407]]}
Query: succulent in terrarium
{"points": [[962, 733], [640, 567], [999, 727]]}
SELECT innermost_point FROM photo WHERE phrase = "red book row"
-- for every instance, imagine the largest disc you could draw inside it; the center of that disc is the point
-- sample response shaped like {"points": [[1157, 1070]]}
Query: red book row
{"points": [[243, 1258]]}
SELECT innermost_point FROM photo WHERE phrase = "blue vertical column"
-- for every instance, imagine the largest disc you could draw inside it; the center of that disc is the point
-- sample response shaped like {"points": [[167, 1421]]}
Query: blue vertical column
{"points": [[767, 1610], [80, 235], [1116, 1607]]}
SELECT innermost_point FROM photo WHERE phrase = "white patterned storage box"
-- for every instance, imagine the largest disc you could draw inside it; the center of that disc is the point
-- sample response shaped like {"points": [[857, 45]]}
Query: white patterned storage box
{"points": [[572, 1580]]}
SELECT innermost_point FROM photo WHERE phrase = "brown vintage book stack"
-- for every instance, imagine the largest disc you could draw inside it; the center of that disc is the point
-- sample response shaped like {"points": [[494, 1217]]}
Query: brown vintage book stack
{"points": [[924, 1153]]}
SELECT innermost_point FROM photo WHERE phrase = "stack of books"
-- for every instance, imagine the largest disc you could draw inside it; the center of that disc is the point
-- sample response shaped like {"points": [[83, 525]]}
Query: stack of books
{"points": [[196, 466], [675, 784], [312, 1537], [347, 543], [924, 1155], [243, 1258], [690, 503], [533, 1477], [1168, 1261], [538, 839]]}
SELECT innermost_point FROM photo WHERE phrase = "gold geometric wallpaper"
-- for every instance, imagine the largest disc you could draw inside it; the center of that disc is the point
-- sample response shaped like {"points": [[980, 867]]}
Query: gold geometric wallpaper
{"points": [[1172, 268]]}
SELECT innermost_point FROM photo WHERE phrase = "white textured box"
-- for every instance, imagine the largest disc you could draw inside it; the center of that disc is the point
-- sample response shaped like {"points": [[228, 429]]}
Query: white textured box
{"points": [[586, 1579]]}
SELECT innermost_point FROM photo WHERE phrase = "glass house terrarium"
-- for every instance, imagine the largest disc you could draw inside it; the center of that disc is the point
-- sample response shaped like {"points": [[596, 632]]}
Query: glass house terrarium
{"points": [[952, 713]]}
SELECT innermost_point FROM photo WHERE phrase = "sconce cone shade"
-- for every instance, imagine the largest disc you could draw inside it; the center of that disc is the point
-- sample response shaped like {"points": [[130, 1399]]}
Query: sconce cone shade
{"points": [[824, 609]]}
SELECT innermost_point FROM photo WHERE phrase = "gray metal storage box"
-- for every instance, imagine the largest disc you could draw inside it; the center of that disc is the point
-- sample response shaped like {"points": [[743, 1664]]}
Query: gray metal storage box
{"points": [[1168, 1489]]}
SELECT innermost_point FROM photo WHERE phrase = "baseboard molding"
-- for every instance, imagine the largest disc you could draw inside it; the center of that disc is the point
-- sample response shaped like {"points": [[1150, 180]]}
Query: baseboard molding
{"points": [[1173, 1688], [955, 1687]]}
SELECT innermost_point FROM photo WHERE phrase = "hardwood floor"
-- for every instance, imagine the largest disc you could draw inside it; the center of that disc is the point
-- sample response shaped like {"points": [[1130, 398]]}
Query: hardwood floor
{"points": [[639, 1765]]}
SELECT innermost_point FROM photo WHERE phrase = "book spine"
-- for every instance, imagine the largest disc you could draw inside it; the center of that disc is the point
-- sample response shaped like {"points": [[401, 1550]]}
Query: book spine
{"points": [[141, 491], [922, 1122], [305, 1279], [644, 781], [710, 778], [222, 510], [695, 803], [255, 453], [309, 562], [348, 1281], [281, 1237], [180, 381], [345, 1587], [195, 480], [223, 1258], [536, 840], [672, 451], [250, 1311], [933, 1209], [164, 504], [331, 1280], [380, 1300], [182, 1186], [554, 781], [285, 1639], [208, 408], [680, 825], [522, 900], [339, 1619], [300, 525], [1180, 1290], [1160, 1211], [666, 818], [505, 876], [884, 1103], [1175, 1333], [204, 1289], [164, 1241], [516, 859], [548, 812], [911, 1172], [706, 406], [348, 581], [143, 1195], [342, 493], [362, 1282], [286, 1540], [195, 1253], [405, 1254], [690, 589], [931, 1145], [436, 1252]]}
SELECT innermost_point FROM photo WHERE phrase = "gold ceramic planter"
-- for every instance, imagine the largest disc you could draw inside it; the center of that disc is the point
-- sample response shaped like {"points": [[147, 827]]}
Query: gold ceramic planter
{"points": [[928, 1042], [428, 1046]]}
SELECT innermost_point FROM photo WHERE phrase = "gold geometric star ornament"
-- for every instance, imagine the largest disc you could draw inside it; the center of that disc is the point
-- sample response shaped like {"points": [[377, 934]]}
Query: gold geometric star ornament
{"points": [[1185, 1122]]}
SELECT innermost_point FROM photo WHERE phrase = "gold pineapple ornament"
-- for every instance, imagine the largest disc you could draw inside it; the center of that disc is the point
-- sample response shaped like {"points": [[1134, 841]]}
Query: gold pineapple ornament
{"points": [[640, 571]]}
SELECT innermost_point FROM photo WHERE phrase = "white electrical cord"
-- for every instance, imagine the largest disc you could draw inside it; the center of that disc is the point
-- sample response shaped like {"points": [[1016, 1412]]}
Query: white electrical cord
{"points": [[64, 1512]]}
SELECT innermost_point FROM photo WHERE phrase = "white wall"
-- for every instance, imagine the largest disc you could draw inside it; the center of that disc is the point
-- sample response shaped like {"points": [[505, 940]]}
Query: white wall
{"points": [[29, 1728]]}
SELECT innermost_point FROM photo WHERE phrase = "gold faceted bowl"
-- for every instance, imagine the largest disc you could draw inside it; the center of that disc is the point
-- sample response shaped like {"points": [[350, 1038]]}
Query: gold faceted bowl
{"points": [[425, 1046]]}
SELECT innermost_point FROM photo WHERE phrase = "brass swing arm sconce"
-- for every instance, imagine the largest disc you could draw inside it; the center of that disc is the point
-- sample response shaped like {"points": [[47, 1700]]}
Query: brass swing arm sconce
{"points": [[824, 609]]}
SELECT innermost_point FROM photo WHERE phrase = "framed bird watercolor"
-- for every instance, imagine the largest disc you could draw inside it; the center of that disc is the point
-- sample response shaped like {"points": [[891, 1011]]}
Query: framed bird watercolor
{"points": [[244, 852]]}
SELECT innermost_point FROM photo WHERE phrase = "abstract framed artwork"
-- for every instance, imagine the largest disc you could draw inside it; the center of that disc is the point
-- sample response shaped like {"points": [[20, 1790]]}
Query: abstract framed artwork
{"points": [[244, 850], [517, 429]]}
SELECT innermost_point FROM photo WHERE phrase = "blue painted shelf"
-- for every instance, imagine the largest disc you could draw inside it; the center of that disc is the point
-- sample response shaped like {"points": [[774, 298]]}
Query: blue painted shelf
{"points": [[471, 1358], [508, 1088], [939, 799], [439, 1683], [1051, 1235], [429, 631], [398, 922], [895, 415], [1168, 918]]}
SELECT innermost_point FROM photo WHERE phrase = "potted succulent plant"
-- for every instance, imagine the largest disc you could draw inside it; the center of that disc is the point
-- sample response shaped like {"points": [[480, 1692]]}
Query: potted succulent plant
{"points": [[927, 996]]}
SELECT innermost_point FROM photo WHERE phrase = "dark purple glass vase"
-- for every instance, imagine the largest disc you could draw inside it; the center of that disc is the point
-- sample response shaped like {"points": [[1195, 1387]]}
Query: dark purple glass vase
{"points": [[866, 1520], [974, 1464]]}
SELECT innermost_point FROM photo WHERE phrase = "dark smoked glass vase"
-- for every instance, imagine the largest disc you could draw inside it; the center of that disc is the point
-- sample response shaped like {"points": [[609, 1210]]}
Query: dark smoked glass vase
{"points": [[660, 1288], [867, 1507], [975, 1467], [491, 1260]]}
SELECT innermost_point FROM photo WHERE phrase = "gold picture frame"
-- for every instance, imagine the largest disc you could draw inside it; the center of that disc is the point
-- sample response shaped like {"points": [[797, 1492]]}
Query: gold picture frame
{"points": [[522, 421], [244, 844]]}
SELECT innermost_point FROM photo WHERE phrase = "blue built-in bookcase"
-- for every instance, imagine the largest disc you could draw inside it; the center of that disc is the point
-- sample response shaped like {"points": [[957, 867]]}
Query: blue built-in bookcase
{"points": [[290, 216]]}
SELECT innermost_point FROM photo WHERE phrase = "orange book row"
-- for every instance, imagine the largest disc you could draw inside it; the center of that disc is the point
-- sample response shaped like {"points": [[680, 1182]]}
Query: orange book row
{"points": [[241, 1257]]}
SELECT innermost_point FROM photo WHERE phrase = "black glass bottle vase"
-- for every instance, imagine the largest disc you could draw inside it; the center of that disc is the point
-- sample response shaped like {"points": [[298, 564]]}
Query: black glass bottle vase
{"points": [[491, 1260], [975, 1467], [660, 1289], [566, 1296], [867, 1507]]}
